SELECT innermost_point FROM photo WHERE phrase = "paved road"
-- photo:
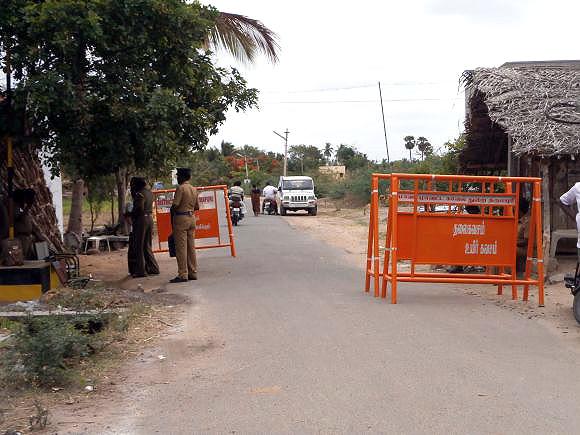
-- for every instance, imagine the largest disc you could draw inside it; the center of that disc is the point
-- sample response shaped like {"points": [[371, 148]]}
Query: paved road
{"points": [[288, 342]]}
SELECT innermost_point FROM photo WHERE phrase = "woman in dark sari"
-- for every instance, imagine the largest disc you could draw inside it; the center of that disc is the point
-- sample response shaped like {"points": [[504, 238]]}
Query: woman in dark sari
{"points": [[255, 194]]}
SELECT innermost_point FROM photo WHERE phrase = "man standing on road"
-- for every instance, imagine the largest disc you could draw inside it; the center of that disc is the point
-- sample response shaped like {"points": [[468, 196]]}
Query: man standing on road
{"points": [[184, 205], [269, 193]]}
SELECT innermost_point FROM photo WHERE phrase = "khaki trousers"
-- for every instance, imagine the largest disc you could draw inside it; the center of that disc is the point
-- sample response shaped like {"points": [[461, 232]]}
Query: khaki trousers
{"points": [[184, 235]]}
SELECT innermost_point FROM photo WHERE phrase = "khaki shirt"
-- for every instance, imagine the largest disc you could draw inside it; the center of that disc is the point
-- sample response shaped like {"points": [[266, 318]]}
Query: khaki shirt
{"points": [[185, 198]]}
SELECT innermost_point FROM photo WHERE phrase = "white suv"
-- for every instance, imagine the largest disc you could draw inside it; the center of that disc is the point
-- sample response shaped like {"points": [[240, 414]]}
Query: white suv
{"points": [[297, 193]]}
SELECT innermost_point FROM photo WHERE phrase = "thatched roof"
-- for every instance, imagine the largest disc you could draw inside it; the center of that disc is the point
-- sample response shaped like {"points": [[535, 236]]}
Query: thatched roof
{"points": [[536, 103]]}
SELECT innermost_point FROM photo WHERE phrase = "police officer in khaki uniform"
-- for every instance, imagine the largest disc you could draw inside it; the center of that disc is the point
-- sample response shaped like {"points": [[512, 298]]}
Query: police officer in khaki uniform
{"points": [[184, 204], [144, 262]]}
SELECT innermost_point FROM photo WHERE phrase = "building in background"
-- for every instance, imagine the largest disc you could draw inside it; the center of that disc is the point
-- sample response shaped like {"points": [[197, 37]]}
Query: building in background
{"points": [[338, 172]]}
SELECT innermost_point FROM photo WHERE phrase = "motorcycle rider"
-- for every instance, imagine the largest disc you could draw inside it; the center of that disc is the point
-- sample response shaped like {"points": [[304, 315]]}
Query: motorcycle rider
{"points": [[269, 193], [237, 195]]}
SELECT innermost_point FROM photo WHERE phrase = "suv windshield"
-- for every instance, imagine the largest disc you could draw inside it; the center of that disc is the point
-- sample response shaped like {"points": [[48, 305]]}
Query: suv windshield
{"points": [[297, 185]]}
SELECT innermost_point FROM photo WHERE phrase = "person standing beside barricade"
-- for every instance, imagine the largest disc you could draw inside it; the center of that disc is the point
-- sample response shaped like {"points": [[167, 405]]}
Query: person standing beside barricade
{"points": [[185, 203], [143, 261]]}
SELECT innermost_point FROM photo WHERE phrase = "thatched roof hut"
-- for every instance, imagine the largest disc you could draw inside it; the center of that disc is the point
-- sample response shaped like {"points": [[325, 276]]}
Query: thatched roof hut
{"points": [[531, 103], [523, 118]]}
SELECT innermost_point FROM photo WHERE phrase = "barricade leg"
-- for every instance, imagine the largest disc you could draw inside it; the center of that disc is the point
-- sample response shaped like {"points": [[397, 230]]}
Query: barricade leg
{"points": [[515, 213], [387, 252], [229, 219], [539, 242], [395, 206], [376, 253], [369, 249], [500, 286], [530, 253]]}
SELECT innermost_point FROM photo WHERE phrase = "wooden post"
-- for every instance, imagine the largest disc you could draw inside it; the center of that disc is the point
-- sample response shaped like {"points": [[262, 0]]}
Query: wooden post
{"points": [[546, 212]]}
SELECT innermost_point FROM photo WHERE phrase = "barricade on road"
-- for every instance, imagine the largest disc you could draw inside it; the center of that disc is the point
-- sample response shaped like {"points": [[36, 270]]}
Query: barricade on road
{"points": [[207, 218], [454, 220]]}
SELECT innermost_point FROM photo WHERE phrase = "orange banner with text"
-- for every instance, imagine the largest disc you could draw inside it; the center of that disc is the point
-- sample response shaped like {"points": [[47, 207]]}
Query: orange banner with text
{"points": [[458, 239], [207, 220]]}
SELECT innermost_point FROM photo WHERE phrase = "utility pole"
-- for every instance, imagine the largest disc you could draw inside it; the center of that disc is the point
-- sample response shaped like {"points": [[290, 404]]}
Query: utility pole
{"points": [[285, 138], [384, 123]]}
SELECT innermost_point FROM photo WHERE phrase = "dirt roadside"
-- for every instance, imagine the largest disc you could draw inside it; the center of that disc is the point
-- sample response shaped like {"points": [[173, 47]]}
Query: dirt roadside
{"points": [[156, 315], [347, 229]]}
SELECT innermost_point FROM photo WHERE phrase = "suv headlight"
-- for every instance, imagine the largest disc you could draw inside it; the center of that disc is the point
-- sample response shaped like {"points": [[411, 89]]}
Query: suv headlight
{"points": [[286, 198]]}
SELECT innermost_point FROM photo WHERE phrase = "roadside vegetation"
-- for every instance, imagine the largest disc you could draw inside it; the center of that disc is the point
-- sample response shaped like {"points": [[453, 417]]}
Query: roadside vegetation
{"points": [[228, 164], [62, 357]]}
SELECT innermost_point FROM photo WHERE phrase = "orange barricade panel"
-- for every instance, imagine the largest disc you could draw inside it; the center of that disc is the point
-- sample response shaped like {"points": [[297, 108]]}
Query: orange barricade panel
{"points": [[460, 239], [207, 224], [454, 220]]}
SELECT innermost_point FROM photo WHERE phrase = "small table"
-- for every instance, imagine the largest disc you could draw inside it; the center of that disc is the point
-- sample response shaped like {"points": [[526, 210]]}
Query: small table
{"points": [[95, 241]]}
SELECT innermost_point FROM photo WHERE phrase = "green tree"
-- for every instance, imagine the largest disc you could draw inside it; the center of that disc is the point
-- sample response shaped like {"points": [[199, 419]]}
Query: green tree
{"points": [[424, 146], [350, 157], [112, 86], [304, 158], [328, 150], [409, 144], [227, 148]]}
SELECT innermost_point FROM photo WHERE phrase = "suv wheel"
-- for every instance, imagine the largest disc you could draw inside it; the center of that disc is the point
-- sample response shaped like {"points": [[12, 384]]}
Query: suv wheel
{"points": [[282, 211], [313, 211]]}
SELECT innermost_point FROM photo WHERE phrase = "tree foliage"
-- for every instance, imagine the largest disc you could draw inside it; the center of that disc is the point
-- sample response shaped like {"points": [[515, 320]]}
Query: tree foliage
{"points": [[350, 157], [304, 159], [107, 84]]}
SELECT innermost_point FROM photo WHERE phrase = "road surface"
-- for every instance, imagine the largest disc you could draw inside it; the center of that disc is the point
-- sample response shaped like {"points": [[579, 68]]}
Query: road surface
{"points": [[283, 340]]}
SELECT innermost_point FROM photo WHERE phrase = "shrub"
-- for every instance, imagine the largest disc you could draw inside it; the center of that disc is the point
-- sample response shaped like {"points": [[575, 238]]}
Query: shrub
{"points": [[43, 348]]}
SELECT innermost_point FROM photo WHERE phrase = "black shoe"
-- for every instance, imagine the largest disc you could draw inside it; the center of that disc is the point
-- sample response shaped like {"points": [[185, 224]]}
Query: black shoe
{"points": [[153, 273], [177, 279], [192, 277], [140, 275]]}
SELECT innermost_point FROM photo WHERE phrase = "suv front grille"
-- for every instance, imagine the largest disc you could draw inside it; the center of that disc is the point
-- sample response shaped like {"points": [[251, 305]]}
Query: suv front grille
{"points": [[298, 198]]}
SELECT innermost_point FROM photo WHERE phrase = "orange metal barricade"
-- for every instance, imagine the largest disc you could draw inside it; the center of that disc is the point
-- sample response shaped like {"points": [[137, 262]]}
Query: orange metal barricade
{"points": [[454, 220], [207, 225]]}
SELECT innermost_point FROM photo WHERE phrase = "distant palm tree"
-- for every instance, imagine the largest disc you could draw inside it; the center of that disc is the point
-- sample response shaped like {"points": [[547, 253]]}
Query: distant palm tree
{"points": [[328, 152], [423, 145], [409, 144], [243, 38]]}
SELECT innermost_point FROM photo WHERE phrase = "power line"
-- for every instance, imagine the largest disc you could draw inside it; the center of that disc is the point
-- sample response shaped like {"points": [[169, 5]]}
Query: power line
{"points": [[395, 100], [346, 88]]}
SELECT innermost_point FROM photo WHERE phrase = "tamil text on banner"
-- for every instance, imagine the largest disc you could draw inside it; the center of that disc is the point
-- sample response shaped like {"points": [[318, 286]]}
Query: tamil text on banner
{"points": [[206, 218]]}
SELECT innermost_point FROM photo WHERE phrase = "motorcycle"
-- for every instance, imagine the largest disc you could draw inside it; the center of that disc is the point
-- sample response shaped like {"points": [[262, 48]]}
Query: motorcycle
{"points": [[270, 207], [236, 210], [573, 283]]}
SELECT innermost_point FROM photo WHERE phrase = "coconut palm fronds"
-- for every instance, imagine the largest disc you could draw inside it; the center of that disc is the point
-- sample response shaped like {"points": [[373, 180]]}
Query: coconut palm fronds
{"points": [[243, 37]]}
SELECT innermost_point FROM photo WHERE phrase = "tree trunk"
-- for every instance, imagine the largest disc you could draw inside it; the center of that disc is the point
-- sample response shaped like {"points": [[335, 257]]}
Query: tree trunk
{"points": [[29, 174], [74, 232], [122, 177]]}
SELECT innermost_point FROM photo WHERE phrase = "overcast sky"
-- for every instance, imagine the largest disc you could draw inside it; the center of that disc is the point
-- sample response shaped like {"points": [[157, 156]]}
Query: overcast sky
{"points": [[333, 53]]}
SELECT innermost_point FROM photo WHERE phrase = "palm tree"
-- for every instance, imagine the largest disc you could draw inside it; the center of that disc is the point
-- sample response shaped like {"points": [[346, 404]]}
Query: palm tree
{"points": [[328, 152], [423, 145], [243, 38], [409, 144]]}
